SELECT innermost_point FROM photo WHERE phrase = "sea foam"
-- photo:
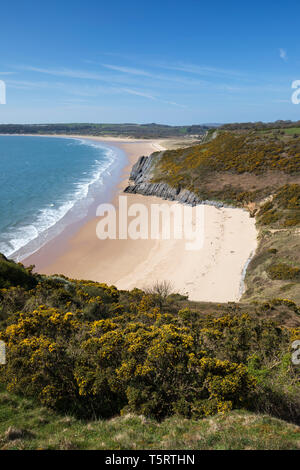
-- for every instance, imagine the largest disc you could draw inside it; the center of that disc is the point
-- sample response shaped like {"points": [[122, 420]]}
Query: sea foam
{"points": [[19, 240]]}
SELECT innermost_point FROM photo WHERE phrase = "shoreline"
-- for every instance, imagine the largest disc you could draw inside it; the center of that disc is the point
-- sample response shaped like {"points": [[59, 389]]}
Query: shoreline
{"points": [[82, 208], [55, 247], [212, 274]]}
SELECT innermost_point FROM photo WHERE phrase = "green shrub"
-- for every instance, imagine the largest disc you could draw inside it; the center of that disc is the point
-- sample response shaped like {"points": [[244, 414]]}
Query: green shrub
{"points": [[13, 274], [282, 271], [284, 209]]}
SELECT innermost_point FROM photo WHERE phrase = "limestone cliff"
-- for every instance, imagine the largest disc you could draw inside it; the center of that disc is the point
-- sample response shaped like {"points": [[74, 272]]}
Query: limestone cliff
{"points": [[140, 182]]}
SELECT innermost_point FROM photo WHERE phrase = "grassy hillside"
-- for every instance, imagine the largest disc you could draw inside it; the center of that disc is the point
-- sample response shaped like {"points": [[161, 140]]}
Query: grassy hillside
{"points": [[282, 209], [235, 167], [26, 425]]}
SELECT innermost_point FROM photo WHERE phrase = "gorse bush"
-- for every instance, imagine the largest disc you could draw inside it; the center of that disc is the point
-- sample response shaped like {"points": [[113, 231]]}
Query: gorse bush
{"points": [[284, 208], [198, 168], [155, 367], [282, 271], [97, 351], [238, 153], [288, 196]]}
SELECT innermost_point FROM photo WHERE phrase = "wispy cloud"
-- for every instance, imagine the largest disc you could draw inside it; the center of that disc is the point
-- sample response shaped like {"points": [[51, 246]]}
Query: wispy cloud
{"points": [[139, 93], [70, 73], [173, 103], [282, 54], [129, 70], [151, 97], [161, 81], [201, 70], [179, 66], [113, 88], [155, 79], [281, 101], [26, 84], [86, 90], [158, 77]]}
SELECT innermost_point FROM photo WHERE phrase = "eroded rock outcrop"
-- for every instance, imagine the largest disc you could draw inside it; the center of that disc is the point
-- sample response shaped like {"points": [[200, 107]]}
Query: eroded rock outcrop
{"points": [[140, 182]]}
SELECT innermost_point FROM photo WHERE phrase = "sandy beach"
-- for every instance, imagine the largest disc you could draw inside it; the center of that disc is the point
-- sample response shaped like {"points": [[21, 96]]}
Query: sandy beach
{"points": [[213, 273]]}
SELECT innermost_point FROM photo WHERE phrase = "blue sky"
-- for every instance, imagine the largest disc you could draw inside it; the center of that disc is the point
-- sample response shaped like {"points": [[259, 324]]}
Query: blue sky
{"points": [[165, 61]]}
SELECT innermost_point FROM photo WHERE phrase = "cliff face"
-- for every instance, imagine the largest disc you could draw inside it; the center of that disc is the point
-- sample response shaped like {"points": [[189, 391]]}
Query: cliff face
{"points": [[140, 182]]}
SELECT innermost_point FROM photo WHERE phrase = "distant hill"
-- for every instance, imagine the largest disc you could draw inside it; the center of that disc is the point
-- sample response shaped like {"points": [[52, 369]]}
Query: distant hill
{"points": [[127, 129], [151, 130]]}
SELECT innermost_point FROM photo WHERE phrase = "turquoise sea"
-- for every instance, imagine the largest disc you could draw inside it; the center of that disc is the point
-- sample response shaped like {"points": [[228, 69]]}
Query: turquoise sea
{"points": [[47, 183]]}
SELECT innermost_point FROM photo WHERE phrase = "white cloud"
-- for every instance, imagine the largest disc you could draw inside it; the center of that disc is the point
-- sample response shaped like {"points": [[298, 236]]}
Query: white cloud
{"points": [[282, 54]]}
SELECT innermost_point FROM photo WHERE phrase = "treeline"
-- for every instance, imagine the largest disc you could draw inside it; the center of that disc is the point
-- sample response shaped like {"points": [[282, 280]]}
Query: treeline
{"points": [[132, 130], [261, 125]]}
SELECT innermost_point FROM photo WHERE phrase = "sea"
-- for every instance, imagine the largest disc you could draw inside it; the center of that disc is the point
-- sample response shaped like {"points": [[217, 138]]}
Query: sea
{"points": [[48, 183]]}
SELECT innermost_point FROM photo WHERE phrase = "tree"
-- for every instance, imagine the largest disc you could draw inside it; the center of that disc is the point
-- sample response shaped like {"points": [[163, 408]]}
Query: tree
{"points": [[160, 291]]}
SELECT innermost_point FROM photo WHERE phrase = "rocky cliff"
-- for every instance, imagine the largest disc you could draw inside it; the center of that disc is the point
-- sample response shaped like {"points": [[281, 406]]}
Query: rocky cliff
{"points": [[140, 182]]}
